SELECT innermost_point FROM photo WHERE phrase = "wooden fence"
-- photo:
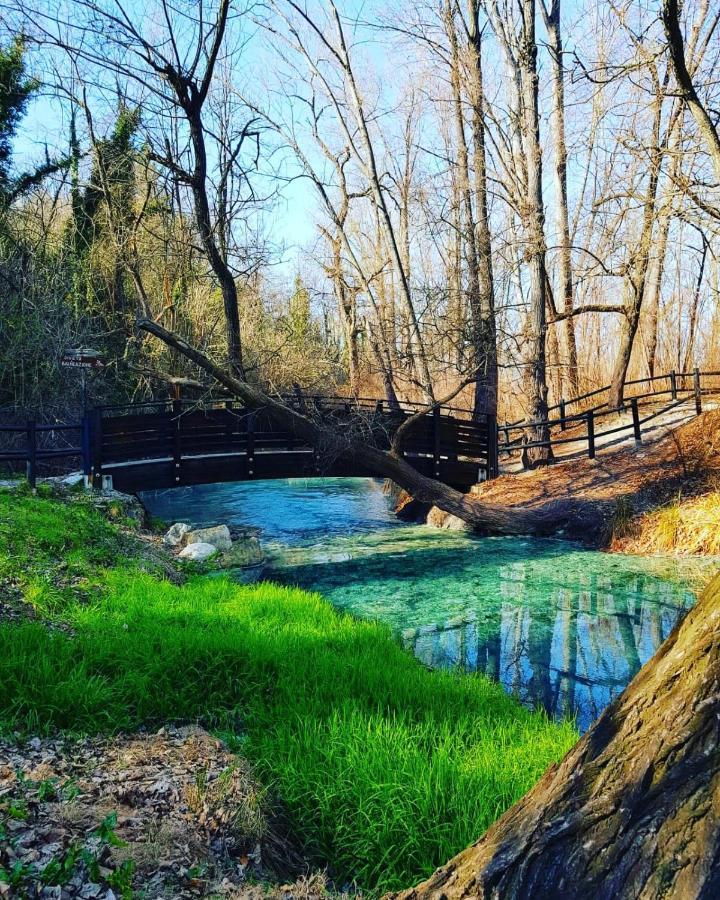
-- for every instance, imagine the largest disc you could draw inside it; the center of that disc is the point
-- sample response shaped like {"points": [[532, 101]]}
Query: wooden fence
{"points": [[587, 425]]}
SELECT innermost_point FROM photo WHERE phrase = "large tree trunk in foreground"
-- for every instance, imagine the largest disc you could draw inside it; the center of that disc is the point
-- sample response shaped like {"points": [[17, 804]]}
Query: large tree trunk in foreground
{"points": [[632, 810], [389, 464]]}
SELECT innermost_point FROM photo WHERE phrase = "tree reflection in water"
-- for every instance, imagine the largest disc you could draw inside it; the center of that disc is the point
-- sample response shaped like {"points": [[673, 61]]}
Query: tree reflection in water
{"points": [[572, 662]]}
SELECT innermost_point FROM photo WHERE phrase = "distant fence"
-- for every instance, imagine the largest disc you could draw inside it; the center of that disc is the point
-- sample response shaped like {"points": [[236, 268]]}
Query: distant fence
{"points": [[587, 425]]}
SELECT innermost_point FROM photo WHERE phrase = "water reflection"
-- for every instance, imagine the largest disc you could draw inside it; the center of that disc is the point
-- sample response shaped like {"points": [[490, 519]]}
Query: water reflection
{"points": [[557, 625], [574, 661]]}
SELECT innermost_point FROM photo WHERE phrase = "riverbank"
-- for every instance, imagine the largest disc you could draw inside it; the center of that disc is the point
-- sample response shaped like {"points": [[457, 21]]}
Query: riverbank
{"points": [[616, 500], [377, 767]]}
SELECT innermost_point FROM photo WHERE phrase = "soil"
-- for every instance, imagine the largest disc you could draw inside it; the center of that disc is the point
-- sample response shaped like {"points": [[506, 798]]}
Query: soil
{"points": [[626, 482]]}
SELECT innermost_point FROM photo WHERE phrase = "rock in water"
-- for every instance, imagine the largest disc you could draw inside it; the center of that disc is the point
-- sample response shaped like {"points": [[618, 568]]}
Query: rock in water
{"points": [[437, 518], [198, 552], [245, 552], [217, 535], [175, 534]]}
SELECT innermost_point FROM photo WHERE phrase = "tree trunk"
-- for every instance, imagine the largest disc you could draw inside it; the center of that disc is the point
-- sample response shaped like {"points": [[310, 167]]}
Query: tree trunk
{"points": [[631, 812], [655, 296], [562, 215], [676, 46], [637, 276], [535, 230], [486, 386]]}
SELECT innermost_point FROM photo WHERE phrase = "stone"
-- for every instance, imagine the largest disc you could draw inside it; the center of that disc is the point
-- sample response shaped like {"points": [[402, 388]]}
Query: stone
{"points": [[408, 509], [217, 535], [245, 552], [437, 518], [175, 533], [198, 552]]}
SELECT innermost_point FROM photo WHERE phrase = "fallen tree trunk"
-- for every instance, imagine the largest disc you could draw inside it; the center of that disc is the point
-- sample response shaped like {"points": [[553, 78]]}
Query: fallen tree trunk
{"points": [[633, 811], [386, 463]]}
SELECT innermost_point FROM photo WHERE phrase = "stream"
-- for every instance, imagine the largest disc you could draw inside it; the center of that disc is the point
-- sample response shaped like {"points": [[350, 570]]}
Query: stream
{"points": [[557, 625]]}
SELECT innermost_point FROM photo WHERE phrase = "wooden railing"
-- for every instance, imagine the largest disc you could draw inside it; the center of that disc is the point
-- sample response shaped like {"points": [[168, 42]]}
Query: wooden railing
{"points": [[29, 449], [587, 424], [167, 443]]}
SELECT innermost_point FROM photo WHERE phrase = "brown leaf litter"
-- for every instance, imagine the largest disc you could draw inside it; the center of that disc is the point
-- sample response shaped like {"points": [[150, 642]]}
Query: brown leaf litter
{"points": [[172, 814]]}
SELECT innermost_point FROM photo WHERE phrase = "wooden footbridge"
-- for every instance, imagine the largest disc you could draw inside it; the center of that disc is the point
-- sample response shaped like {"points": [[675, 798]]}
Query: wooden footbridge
{"points": [[164, 444], [168, 444]]}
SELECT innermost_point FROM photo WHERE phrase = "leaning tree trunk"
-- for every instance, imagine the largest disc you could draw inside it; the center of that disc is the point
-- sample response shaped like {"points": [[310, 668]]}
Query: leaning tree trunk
{"points": [[632, 810]]}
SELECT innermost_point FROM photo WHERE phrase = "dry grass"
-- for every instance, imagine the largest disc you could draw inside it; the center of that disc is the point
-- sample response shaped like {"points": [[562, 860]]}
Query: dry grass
{"points": [[686, 527]]}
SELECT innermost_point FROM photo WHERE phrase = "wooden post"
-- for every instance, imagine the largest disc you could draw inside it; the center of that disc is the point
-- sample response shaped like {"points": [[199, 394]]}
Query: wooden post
{"points": [[31, 452], [250, 444], [379, 407], [698, 394], [562, 414], [492, 437], [96, 446], [636, 420], [85, 444], [436, 442], [229, 426], [673, 385], [590, 417], [176, 444]]}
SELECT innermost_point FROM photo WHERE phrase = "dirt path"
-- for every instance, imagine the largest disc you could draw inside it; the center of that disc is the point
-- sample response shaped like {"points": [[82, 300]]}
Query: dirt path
{"points": [[652, 432], [623, 479]]}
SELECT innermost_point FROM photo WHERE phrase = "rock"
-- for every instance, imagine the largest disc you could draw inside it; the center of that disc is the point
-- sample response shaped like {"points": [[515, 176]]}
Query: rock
{"points": [[408, 509], [217, 535], [245, 552], [115, 505], [437, 518], [175, 533], [198, 552]]}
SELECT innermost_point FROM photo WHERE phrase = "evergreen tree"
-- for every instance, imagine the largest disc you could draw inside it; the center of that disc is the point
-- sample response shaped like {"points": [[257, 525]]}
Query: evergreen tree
{"points": [[15, 92]]}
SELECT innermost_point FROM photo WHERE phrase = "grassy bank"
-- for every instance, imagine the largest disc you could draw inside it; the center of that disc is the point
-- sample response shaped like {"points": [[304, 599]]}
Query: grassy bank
{"points": [[386, 769]]}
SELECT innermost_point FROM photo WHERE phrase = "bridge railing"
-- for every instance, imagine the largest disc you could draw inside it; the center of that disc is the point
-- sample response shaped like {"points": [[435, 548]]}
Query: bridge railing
{"points": [[177, 434]]}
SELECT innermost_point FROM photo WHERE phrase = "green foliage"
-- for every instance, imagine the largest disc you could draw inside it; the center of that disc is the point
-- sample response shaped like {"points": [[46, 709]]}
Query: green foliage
{"points": [[15, 91], [386, 769], [53, 552], [299, 317]]}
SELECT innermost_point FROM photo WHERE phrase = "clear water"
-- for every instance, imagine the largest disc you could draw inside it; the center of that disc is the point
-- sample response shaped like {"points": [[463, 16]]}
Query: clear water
{"points": [[557, 625]]}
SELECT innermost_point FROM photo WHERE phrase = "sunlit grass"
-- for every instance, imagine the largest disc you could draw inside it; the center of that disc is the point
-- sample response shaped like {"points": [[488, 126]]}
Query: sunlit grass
{"points": [[684, 526], [385, 768]]}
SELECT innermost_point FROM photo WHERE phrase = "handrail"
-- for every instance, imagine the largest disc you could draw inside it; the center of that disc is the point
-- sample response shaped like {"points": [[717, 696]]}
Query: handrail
{"points": [[679, 393], [672, 375]]}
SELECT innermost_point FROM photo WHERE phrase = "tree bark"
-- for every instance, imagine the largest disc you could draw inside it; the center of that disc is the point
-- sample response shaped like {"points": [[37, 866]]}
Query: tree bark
{"points": [[676, 47], [486, 386], [552, 19], [631, 812], [535, 230]]}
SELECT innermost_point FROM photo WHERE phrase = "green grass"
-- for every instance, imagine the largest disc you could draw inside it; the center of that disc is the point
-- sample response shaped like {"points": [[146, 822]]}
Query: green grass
{"points": [[385, 768]]}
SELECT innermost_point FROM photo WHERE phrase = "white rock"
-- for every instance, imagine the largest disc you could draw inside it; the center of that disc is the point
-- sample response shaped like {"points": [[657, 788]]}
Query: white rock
{"points": [[74, 479], [217, 535], [198, 552], [175, 534]]}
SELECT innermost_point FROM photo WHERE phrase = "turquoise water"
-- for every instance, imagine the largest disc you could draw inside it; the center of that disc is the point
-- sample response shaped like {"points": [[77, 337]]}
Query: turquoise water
{"points": [[559, 626]]}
